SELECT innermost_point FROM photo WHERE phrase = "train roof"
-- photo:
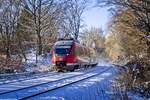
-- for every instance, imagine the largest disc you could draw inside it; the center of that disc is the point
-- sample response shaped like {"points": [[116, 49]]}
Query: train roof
{"points": [[62, 41], [68, 39]]}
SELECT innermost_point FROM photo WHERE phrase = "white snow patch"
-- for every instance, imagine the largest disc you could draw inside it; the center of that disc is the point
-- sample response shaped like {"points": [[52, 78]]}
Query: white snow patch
{"points": [[133, 96], [104, 62], [43, 62], [96, 88]]}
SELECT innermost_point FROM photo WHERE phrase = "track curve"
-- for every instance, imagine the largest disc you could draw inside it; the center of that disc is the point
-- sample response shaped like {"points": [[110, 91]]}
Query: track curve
{"points": [[29, 92]]}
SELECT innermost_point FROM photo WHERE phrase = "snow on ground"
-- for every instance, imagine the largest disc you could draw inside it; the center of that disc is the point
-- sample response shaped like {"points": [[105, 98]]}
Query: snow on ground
{"points": [[133, 96], [46, 86], [104, 62], [43, 62], [31, 68], [96, 88]]}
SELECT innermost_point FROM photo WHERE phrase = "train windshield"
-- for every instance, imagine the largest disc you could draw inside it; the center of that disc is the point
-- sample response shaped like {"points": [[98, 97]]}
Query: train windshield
{"points": [[66, 43], [62, 50]]}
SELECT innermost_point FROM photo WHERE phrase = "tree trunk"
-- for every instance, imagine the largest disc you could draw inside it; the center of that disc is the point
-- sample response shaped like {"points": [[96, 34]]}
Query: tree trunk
{"points": [[39, 45], [39, 28], [148, 49], [22, 50], [7, 52], [148, 42], [7, 43], [77, 33]]}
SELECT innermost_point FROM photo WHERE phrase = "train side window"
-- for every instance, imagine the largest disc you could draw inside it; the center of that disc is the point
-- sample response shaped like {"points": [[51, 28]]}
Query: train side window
{"points": [[76, 51], [83, 51], [80, 51]]}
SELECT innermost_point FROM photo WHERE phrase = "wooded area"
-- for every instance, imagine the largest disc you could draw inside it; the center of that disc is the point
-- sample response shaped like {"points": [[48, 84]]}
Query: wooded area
{"points": [[129, 40], [37, 24]]}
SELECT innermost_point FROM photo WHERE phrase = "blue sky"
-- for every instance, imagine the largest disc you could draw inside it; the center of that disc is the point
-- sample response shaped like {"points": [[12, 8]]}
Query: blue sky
{"points": [[96, 17]]}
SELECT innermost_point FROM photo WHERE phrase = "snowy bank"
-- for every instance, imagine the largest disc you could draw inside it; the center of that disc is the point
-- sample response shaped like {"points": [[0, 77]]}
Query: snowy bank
{"points": [[43, 62]]}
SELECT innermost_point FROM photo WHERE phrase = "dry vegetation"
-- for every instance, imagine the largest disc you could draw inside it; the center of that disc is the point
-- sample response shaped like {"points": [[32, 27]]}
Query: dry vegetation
{"points": [[129, 41], [36, 24]]}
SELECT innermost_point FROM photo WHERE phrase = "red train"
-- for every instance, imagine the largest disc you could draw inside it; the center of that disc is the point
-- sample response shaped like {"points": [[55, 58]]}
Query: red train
{"points": [[68, 54]]}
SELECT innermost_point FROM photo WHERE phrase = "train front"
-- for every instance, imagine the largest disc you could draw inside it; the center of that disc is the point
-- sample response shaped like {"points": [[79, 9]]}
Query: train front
{"points": [[62, 55]]}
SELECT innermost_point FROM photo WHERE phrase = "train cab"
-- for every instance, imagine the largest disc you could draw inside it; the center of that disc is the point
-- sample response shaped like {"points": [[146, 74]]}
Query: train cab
{"points": [[68, 54]]}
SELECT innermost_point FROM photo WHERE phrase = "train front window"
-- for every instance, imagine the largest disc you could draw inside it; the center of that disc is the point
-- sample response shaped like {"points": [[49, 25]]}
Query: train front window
{"points": [[62, 51], [61, 43]]}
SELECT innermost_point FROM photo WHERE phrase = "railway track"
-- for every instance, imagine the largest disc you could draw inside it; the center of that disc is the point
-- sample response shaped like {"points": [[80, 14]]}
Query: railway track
{"points": [[58, 76], [4, 78], [27, 76], [34, 76], [82, 78], [29, 92]]}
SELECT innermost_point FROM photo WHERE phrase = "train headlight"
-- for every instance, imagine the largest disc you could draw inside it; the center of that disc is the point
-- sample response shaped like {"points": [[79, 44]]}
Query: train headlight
{"points": [[60, 59]]}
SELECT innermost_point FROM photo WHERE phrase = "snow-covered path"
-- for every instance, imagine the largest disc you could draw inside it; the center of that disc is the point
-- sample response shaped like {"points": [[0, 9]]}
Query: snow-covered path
{"points": [[96, 88], [99, 82]]}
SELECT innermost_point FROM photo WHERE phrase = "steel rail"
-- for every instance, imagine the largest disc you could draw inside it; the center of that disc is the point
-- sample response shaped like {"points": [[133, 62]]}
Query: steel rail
{"points": [[45, 83], [67, 84], [29, 78]]}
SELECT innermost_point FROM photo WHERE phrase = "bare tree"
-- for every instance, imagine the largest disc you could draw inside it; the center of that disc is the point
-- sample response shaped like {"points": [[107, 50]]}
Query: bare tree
{"points": [[40, 10], [10, 10], [24, 34], [93, 37], [73, 16], [140, 9], [130, 35]]}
